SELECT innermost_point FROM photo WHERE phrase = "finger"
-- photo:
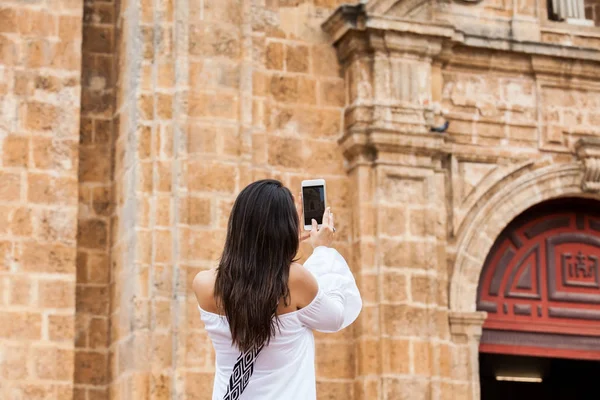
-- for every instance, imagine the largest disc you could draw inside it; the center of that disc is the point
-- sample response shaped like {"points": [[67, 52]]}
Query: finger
{"points": [[315, 226], [331, 223], [326, 216]]}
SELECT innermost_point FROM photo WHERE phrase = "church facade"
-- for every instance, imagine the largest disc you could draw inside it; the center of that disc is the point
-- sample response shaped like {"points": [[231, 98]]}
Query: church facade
{"points": [[460, 142]]}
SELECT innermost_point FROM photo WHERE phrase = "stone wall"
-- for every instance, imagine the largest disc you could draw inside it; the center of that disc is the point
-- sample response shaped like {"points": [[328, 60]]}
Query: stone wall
{"points": [[185, 102], [40, 69], [95, 200], [211, 96], [430, 201], [265, 100]]}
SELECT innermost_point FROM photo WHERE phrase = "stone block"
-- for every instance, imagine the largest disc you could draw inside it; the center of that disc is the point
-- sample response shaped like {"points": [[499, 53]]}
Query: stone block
{"points": [[90, 368], [12, 366], [70, 27], [53, 363], [54, 154], [10, 186], [328, 390], [202, 245], [20, 290], [297, 58], [52, 258], [324, 60], [43, 188], [102, 201], [274, 56], [92, 300], [98, 39], [222, 105], [368, 322], [284, 152], [56, 294], [211, 40], [444, 360], [20, 325], [198, 385], [394, 287], [165, 174], [422, 356], [423, 289], [368, 356], [92, 234], [61, 328], [163, 251], [199, 350], [66, 55], [37, 52], [196, 211], [9, 52], [406, 388], [393, 220], [15, 151], [405, 254], [98, 333], [20, 221], [37, 23], [216, 177], [395, 356], [6, 255], [405, 320], [335, 360], [9, 21], [333, 93]]}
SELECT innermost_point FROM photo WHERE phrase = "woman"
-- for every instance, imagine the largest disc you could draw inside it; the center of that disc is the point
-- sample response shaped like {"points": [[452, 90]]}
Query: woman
{"points": [[260, 307]]}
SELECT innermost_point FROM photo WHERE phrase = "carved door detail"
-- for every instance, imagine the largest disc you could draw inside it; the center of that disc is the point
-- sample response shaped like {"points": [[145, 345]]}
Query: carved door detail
{"points": [[541, 286]]}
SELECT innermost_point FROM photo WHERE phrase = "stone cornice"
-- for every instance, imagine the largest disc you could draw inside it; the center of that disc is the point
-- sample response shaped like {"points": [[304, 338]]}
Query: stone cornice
{"points": [[364, 145], [348, 19], [467, 324]]}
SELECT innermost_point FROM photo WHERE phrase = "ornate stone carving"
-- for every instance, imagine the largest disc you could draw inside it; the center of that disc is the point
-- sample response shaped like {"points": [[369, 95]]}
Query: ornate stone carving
{"points": [[588, 151]]}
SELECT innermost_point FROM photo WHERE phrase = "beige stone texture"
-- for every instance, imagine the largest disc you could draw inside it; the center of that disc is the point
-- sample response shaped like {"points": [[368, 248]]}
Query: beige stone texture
{"points": [[128, 128], [40, 73]]}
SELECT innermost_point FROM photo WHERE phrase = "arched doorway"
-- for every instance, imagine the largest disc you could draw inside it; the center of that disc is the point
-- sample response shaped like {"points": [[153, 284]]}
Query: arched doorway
{"points": [[540, 286]]}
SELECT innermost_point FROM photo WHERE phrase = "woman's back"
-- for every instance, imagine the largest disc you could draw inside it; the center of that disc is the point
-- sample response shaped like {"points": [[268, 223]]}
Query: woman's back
{"points": [[260, 308], [284, 369]]}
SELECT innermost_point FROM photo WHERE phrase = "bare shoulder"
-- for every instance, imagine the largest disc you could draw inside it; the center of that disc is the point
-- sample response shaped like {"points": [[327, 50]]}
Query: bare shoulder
{"points": [[204, 289], [303, 285]]}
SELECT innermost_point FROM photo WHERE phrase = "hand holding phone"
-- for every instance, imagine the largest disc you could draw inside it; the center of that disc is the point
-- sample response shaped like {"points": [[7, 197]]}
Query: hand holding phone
{"points": [[314, 202], [323, 236]]}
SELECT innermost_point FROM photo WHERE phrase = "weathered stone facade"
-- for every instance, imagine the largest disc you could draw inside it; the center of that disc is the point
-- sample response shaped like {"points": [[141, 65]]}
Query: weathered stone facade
{"points": [[128, 128]]}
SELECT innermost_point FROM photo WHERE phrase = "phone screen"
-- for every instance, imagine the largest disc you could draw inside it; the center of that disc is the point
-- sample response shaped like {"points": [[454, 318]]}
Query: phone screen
{"points": [[313, 198]]}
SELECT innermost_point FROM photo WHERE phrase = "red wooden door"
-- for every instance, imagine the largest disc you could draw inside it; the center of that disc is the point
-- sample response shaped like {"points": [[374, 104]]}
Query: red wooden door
{"points": [[541, 284]]}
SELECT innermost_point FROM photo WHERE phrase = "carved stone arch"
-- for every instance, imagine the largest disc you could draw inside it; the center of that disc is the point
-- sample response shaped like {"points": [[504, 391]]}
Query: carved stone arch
{"points": [[488, 221]]}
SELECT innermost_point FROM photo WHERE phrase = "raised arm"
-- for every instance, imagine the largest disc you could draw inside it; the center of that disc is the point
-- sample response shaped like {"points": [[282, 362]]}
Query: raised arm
{"points": [[338, 302]]}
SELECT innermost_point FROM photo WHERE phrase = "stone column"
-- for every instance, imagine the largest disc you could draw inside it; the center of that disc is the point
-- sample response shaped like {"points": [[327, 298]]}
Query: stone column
{"points": [[465, 330], [398, 211]]}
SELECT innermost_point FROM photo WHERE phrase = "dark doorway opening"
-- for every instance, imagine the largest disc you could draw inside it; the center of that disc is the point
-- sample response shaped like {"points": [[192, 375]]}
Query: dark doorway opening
{"points": [[561, 379]]}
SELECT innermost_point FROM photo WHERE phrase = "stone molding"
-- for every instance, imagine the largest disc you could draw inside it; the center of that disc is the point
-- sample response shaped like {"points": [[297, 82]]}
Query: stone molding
{"points": [[588, 151], [391, 103], [467, 325]]}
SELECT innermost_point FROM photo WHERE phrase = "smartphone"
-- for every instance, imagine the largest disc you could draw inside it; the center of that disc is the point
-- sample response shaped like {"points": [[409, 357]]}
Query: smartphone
{"points": [[314, 201]]}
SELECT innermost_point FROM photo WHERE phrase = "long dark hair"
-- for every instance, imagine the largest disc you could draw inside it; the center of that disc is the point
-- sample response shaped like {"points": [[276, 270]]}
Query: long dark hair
{"points": [[262, 241]]}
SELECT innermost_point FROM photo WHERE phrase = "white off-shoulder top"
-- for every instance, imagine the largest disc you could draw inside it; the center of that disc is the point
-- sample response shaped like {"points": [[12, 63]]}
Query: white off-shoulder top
{"points": [[285, 368]]}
